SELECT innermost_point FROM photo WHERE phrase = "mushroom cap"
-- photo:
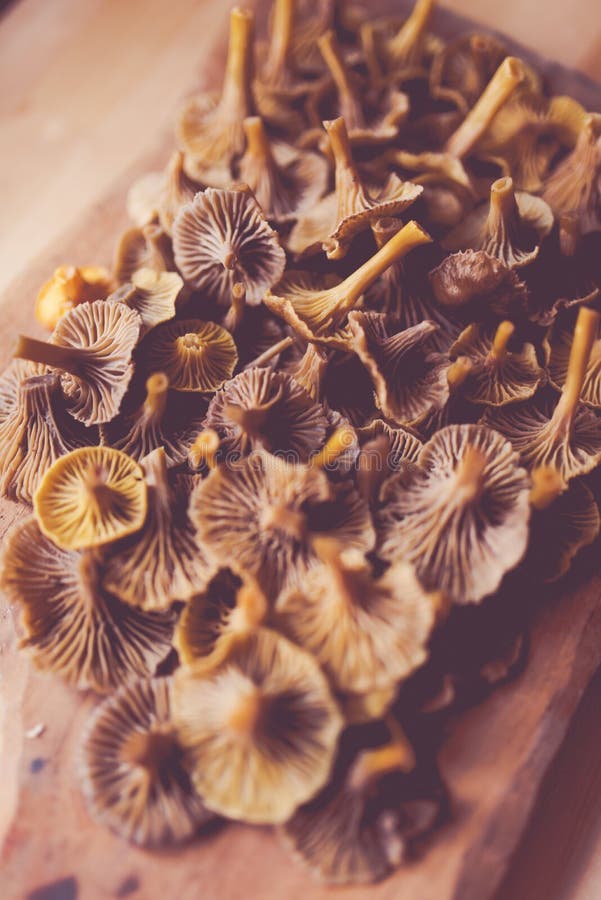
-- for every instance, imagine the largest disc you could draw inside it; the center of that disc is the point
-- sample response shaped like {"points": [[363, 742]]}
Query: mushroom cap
{"points": [[153, 296], [71, 625], [163, 562], [497, 379], [366, 633], [573, 186], [348, 389], [69, 286], [409, 377], [403, 444], [264, 512], [475, 281], [261, 728], [148, 247], [10, 380], [177, 189], [222, 238], [195, 355], [143, 199], [561, 345], [308, 303], [263, 408], [90, 497], [460, 516], [133, 769]]}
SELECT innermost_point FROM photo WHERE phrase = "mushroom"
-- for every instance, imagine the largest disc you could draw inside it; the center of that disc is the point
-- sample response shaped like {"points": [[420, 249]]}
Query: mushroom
{"points": [[309, 370], [160, 420], [71, 625], [229, 607], [467, 64], [318, 314], [91, 347], [133, 769], [348, 389], [564, 434], [210, 129], [163, 562], [383, 450], [461, 516], [366, 633], [399, 53], [148, 247], [263, 408], [143, 199], [559, 361], [16, 372], [153, 296], [69, 286], [409, 377], [90, 497], [574, 186], [499, 375], [265, 512], [285, 181], [177, 190], [194, 355], [352, 207], [261, 728], [222, 238], [511, 227], [475, 283], [35, 433]]}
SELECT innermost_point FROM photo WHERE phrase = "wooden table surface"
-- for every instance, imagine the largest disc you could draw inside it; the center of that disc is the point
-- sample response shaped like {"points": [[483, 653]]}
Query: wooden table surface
{"points": [[86, 87]]}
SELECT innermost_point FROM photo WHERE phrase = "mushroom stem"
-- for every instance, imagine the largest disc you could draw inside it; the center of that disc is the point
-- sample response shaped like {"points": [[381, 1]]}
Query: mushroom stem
{"points": [[290, 522], [204, 449], [569, 233], [282, 22], [257, 142], [236, 92], [229, 260], [332, 54], [506, 79], [334, 447], [235, 313], [547, 485], [585, 334], [396, 756], [503, 215], [268, 354], [459, 372], [67, 359], [372, 466], [244, 717], [340, 146], [469, 474], [250, 421], [405, 45], [250, 610], [149, 750], [157, 389], [503, 335]]}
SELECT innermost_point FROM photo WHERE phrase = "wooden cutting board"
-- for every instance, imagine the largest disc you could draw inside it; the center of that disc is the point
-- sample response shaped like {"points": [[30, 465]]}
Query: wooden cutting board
{"points": [[493, 761]]}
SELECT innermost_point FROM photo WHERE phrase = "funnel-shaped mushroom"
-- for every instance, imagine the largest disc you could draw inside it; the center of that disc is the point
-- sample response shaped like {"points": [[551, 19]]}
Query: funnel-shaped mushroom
{"points": [[405, 49], [308, 371], [261, 728], [34, 434], [152, 296], [318, 315], [559, 362], [16, 372], [177, 190], [91, 347], [148, 247], [474, 283], [461, 517], [511, 227], [573, 188], [382, 450], [71, 625], [90, 497], [466, 65], [210, 129], [563, 434], [263, 408], [409, 377], [194, 355], [222, 238], [133, 769], [352, 207], [366, 633], [163, 562], [265, 512], [68, 287], [498, 375]]}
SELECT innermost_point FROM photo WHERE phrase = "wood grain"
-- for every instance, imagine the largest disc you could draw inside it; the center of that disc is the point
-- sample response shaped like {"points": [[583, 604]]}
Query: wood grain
{"points": [[496, 755]]}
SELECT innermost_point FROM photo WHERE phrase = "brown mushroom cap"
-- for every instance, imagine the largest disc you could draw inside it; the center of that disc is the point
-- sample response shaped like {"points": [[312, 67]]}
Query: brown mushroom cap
{"points": [[177, 190], [11, 379], [308, 371], [90, 497], [71, 625], [133, 769], [498, 375], [479, 283], [153, 296], [264, 512], [261, 728], [222, 238], [262, 408], [69, 286], [92, 347], [148, 247], [162, 562], [573, 186], [461, 516], [194, 355], [143, 199]]}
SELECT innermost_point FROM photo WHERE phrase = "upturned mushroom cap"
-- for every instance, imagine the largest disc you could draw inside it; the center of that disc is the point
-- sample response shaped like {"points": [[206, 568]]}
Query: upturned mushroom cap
{"points": [[498, 375], [563, 434], [475, 283], [194, 355], [366, 633], [35, 433], [133, 769], [90, 497], [92, 348], [261, 728], [265, 512], [263, 408], [70, 624], [163, 562], [222, 238], [69, 286], [573, 188], [153, 296], [561, 346], [16, 372], [148, 247], [461, 516], [409, 377], [510, 227]]}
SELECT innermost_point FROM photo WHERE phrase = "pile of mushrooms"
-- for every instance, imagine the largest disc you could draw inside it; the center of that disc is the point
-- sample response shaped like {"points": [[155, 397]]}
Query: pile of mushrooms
{"points": [[295, 461]]}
